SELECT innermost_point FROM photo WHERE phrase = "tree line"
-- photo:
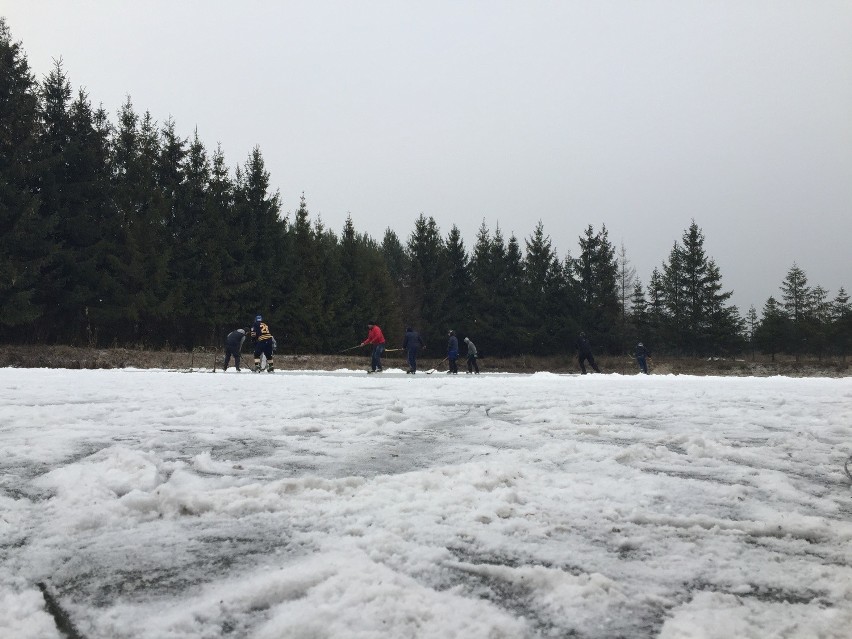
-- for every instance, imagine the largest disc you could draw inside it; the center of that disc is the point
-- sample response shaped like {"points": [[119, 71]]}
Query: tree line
{"points": [[125, 233]]}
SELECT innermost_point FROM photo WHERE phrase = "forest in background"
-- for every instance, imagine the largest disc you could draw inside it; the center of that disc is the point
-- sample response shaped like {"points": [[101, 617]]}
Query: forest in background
{"points": [[124, 233]]}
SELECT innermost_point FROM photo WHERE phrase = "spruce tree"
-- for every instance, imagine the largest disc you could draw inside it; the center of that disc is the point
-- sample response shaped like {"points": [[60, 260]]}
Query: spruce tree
{"points": [[92, 233], [145, 284], [626, 290], [657, 321], [639, 320], [395, 257], [306, 301], [597, 270], [697, 318], [458, 300], [841, 323], [259, 212], [427, 278], [231, 251], [540, 313], [22, 242], [772, 334], [53, 184], [796, 298], [752, 322]]}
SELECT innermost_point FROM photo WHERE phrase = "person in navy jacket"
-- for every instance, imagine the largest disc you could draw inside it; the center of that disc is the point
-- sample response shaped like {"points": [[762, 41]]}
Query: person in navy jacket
{"points": [[233, 346], [642, 355], [411, 344], [453, 352]]}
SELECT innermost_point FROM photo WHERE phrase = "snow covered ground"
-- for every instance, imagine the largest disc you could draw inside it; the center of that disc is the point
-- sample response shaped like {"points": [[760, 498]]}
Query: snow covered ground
{"points": [[164, 504]]}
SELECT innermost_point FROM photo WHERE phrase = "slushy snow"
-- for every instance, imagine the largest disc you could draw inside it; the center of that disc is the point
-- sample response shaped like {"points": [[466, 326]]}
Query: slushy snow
{"points": [[163, 504]]}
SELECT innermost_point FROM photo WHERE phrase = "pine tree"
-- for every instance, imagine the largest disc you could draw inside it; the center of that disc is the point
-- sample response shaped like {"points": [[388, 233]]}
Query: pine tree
{"points": [[427, 278], [597, 270], [232, 253], [796, 297], [370, 294], [657, 322], [53, 183], [720, 327], [540, 313], [772, 333], [751, 326], [336, 293], [818, 323], [458, 304], [198, 263], [306, 301], [841, 323], [626, 289], [395, 258], [259, 212], [22, 242], [639, 319], [145, 284], [697, 319], [92, 232]]}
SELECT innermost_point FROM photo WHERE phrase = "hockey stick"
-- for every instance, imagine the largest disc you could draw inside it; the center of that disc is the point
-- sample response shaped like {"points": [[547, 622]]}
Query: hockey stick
{"points": [[432, 370], [352, 348]]}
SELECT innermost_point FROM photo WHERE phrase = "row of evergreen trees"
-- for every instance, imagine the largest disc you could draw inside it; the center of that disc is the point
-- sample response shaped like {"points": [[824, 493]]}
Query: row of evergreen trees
{"points": [[126, 233]]}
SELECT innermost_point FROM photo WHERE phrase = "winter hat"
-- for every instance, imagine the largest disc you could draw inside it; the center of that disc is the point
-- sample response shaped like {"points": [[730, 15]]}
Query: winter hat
{"points": [[640, 343], [241, 330], [452, 332], [467, 339], [258, 318]]}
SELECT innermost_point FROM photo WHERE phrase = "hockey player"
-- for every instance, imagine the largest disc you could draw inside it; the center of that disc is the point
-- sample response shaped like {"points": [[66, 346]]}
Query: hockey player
{"points": [[264, 344], [584, 350], [411, 344], [453, 352], [377, 339], [233, 346], [472, 366], [642, 355]]}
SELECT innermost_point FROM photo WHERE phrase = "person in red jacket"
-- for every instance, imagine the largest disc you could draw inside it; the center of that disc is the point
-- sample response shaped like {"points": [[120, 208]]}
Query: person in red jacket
{"points": [[377, 339]]}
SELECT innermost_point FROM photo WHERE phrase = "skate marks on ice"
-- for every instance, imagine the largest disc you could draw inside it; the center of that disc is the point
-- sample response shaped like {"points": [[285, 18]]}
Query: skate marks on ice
{"points": [[532, 507]]}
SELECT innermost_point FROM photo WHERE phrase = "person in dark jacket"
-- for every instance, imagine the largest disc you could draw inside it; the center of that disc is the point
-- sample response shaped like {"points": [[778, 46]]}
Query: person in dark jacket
{"points": [[233, 346], [453, 352], [377, 339], [264, 344], [642, 355], [584, 350], [472, 366], [411, 343]]}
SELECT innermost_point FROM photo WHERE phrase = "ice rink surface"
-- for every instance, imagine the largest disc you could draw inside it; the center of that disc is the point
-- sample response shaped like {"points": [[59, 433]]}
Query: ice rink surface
{"points": [[163, 504]]}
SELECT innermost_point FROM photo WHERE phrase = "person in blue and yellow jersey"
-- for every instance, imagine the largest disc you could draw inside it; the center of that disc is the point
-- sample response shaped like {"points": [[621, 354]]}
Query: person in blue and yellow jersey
{"points": [[264, 343]]}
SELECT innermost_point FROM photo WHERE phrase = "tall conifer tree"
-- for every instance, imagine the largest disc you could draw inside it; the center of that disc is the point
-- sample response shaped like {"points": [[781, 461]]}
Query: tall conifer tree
{"points": [[22, 244]]}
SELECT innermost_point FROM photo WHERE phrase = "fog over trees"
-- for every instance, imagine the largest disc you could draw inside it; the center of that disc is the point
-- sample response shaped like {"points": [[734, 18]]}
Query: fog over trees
{"points": [[123, 232]]}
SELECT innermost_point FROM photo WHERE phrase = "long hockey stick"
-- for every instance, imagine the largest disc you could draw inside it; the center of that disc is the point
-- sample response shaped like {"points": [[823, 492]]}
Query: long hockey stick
{"points": [[432, 370]]}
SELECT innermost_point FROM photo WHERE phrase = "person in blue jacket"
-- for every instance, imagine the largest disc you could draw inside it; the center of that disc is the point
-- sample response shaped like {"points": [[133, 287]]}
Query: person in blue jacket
{"points": [[584, 350], [453, 352], [233, 346], [642, 355], [411, 343]]}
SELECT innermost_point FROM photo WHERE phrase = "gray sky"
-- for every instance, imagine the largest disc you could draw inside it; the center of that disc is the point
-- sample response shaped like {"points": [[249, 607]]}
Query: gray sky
{"points": [[638, 115]]}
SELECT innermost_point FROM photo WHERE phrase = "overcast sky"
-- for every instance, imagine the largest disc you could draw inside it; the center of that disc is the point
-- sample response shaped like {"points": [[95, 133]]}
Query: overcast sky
{"points": [[638, 115]]}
